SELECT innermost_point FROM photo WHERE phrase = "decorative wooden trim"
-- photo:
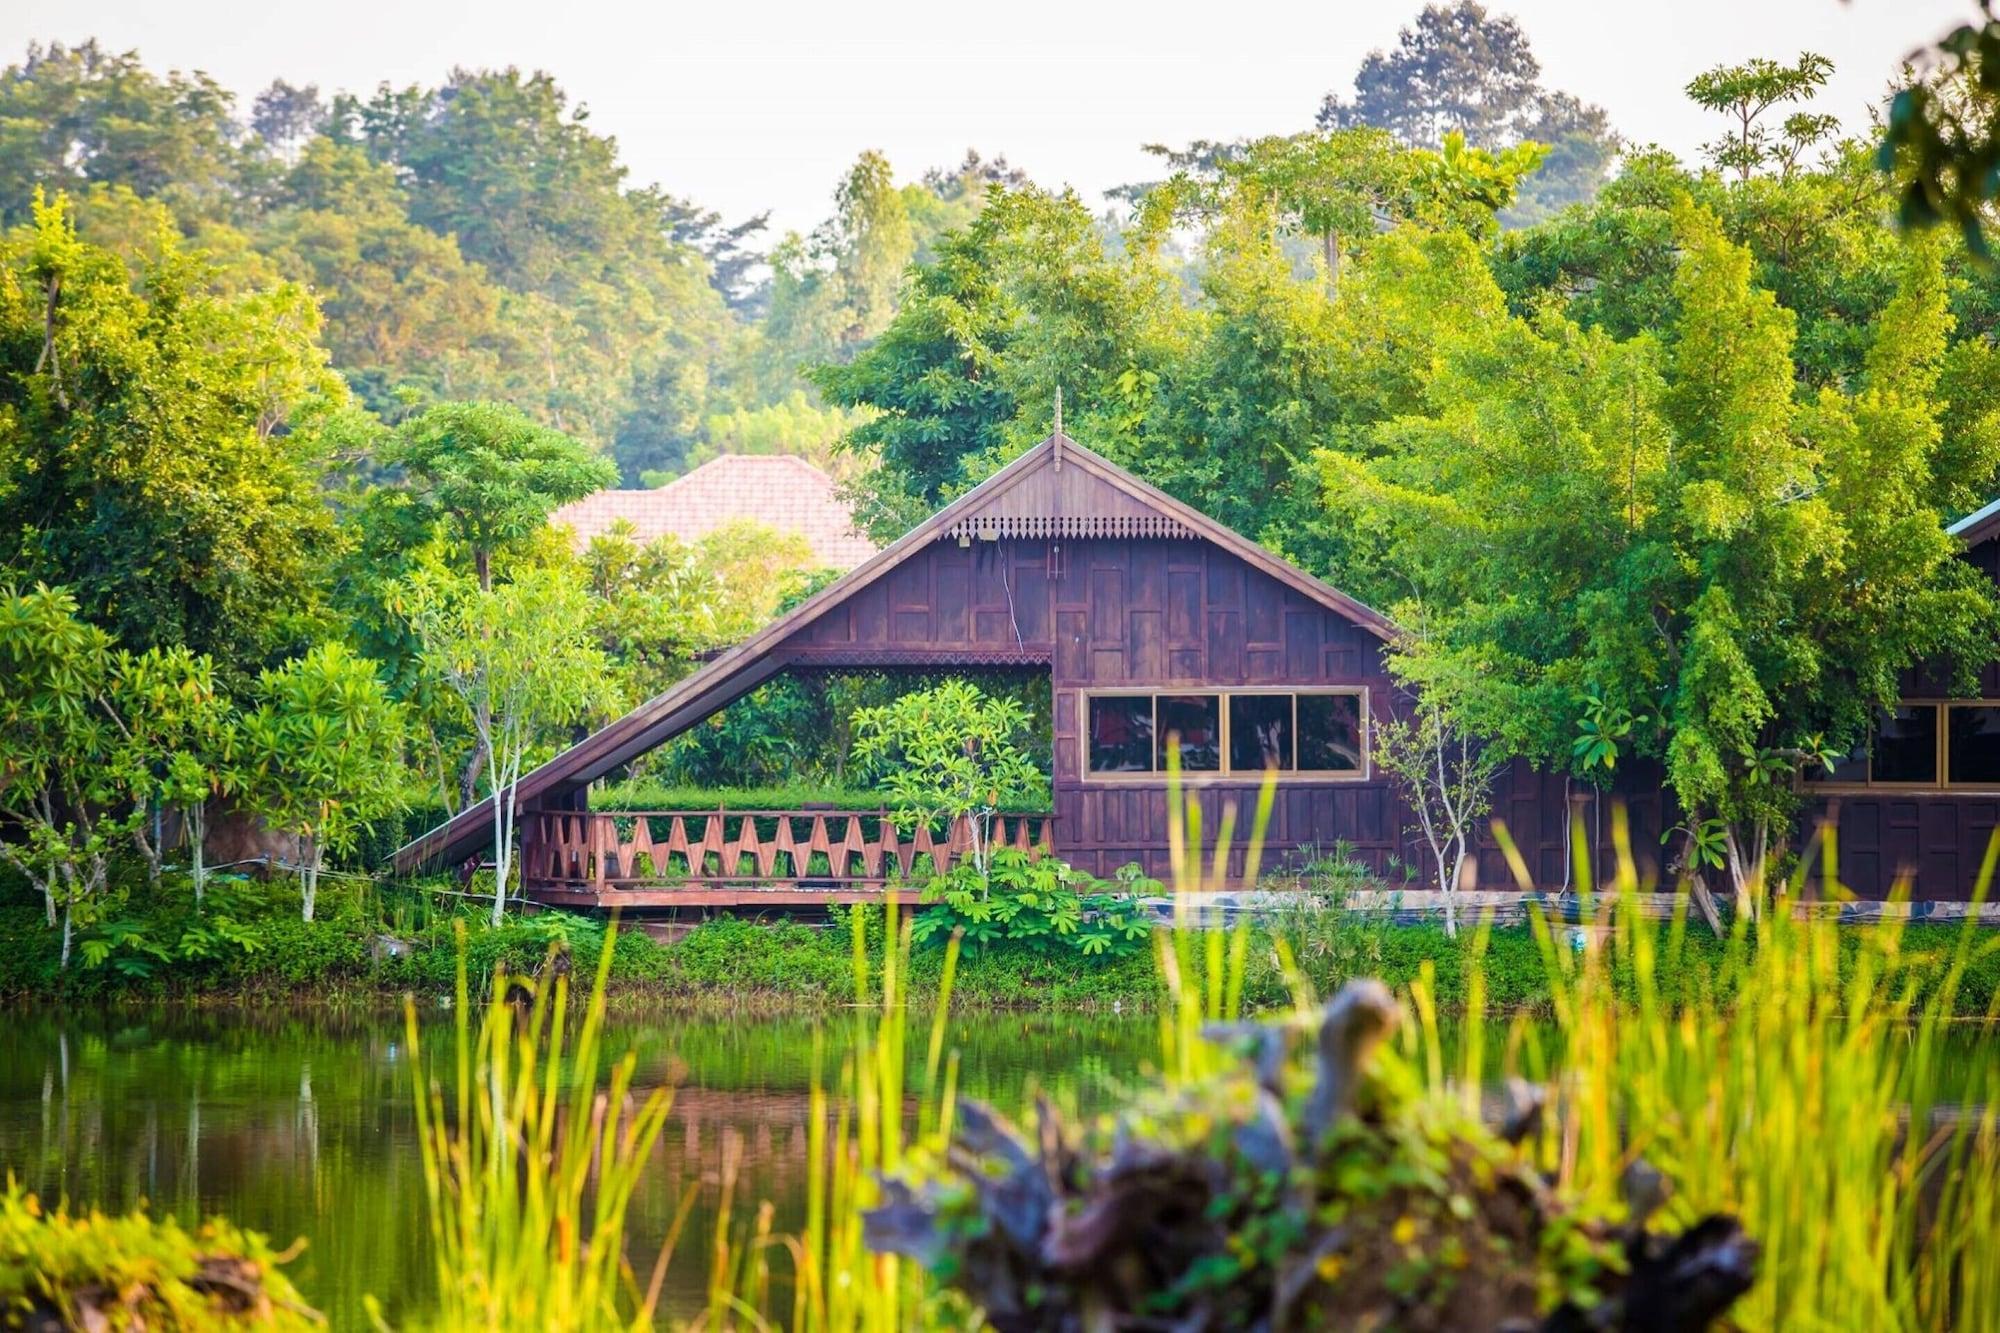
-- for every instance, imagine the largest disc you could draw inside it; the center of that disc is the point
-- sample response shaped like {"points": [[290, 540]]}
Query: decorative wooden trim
{"points": [[606, 852], [1224, 776], [1072, 527], [823, 658]]}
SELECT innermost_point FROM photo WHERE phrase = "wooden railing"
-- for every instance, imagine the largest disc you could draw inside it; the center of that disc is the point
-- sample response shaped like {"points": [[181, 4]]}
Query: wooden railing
{"points": [[696, 849]]}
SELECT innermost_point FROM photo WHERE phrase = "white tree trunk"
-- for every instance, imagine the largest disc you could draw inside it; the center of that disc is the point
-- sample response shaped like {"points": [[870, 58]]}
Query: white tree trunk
{"points": [[197, 826], [309, 874], [503, 849]]}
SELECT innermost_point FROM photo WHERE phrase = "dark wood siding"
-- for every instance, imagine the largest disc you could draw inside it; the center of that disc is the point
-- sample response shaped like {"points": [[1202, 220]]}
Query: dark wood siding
{"points": [[1148, 614]]}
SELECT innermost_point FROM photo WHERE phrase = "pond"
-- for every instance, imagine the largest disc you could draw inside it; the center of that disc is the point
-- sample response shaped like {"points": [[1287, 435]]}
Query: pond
{"points": [[299, 1124]]}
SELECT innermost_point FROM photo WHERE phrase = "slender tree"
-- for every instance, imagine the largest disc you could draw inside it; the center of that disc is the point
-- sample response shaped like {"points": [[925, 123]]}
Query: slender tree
{"points": [[523, 661]]}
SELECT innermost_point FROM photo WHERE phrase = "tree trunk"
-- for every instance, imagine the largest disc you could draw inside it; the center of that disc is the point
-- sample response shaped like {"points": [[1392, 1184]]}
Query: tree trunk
{"points": [[309, 874], [67, 933], [1331, 242], [468, 778], [197, 827]]}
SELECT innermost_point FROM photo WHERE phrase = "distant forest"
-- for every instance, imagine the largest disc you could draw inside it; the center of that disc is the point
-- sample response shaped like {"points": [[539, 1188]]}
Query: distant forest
{"points": [[478, 240]]}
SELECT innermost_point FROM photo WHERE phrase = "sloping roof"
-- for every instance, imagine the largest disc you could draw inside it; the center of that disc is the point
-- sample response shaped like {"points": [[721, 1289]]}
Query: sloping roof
{"points": [[785, 492], [1980, 525], [1100, 484]]}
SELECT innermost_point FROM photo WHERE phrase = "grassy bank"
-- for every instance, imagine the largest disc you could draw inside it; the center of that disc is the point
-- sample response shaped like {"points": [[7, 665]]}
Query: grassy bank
{"points": [[248, 944]]}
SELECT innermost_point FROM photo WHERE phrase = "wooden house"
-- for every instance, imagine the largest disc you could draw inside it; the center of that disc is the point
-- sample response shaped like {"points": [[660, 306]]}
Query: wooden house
{"points": [[1153, 621]]}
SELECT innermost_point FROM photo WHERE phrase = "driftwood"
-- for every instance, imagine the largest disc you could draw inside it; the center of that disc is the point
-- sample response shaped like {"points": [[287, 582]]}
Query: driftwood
{"points": [[1298, 1194]]}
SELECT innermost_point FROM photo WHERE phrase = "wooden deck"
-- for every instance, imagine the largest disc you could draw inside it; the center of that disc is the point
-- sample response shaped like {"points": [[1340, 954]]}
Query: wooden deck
{"points": [[739, 858]]}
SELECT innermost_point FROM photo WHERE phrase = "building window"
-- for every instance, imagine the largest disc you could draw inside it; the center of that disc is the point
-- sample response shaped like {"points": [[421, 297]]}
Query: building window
{"points": [[1924, 744], [1972, 744], [1260, 732], [1321, 733], [1121, 733], [1196, 721]]}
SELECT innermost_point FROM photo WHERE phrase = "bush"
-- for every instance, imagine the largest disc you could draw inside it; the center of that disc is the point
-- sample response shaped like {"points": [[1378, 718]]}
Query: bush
{"points": [[131, 1272], [1038, 903]]}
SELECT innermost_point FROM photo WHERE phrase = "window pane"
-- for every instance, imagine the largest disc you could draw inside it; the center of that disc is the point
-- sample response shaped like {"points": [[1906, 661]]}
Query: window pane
{"points": [[1906, 745], [1260, 732], [1329, 732], [1121, 733], [1197, 720], [1974, 745]]}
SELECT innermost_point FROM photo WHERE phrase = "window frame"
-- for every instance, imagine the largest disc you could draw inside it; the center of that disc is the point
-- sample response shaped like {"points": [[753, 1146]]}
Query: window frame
{"points": [[1225, 775], [1943, 783]]}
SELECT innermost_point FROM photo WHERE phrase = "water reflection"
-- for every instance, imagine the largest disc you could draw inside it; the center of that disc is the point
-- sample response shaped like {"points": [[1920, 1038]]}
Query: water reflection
{"points": [[300, 1125]]}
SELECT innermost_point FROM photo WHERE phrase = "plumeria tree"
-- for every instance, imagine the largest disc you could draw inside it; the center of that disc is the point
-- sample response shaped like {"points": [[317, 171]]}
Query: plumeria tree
{"points": [[184, 732], [523, 660], [321, 754], [67, 771], [948, 753]]}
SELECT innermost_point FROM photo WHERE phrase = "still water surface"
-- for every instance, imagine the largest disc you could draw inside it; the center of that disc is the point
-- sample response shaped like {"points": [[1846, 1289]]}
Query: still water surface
{"points": [[300, 1124]]}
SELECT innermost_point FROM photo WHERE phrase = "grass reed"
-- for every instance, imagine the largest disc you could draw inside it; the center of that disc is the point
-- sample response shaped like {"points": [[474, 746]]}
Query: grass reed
{"points": [[530, 1161]]}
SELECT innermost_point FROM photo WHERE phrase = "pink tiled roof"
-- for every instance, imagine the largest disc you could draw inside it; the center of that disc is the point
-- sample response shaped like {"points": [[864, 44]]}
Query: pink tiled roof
{"points": [[787, 493]]}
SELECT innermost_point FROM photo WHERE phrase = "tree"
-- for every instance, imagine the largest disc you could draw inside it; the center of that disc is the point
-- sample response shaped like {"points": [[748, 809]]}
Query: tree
{"points": [[321, 755], [493, 475], [183, 731], [1941, 139], [286, 116], [1027, 297], [522, 660], [950, 753], [1428, 747], [1462, 70], [144, 461], [67, 771], [1745, 93], [1657, 529], [73, 116]]}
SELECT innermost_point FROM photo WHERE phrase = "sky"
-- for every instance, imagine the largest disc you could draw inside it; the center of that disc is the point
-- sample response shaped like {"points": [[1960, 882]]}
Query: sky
{"points": [[747, 107]]}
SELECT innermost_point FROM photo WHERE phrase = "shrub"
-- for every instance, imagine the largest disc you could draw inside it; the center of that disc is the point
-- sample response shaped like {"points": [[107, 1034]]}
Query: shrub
{"points": [[131, 1272], [1038, 902]]}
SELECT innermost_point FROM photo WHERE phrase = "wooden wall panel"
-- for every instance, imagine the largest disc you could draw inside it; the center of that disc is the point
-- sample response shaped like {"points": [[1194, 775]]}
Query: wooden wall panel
{"points": [[1936, 840], [1165, 614]]}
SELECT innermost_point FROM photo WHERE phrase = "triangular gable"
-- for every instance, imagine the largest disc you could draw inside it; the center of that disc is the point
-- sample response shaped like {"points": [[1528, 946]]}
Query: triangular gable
{"points": [[1057, 486]]}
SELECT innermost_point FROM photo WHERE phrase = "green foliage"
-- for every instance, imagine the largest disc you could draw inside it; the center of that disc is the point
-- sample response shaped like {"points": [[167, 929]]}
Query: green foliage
{"points": [[143, 460], [91, 741], [1942, 137], [74, 116], [63, 1270], [1746, 93], [228, 927], [1038, 903], [1460, 69], [947, 753], [321, 754], [1026, 297], [1652, 544], [492, 473], [522, 662]]}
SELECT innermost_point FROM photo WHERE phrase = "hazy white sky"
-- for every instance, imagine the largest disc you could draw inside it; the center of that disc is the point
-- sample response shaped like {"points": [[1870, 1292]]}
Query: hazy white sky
{"points": [[747, 106]]}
